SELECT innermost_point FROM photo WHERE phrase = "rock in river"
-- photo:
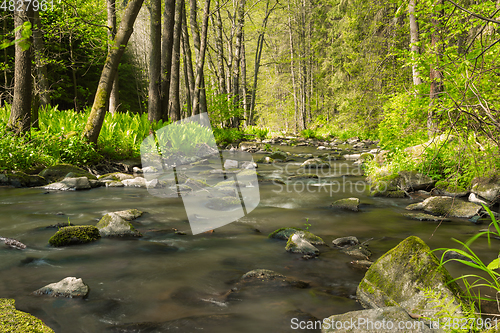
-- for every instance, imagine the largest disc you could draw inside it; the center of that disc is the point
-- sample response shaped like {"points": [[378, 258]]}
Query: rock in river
{"points": [[58, 172], [348, 204], [70, 184], [447, 206], [297, 244], [285, 233], [409, 276], [116, 224], [69, 287], [75, 235]]}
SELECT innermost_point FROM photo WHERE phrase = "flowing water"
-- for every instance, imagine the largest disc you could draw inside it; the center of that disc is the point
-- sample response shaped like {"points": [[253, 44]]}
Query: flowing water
{"points": [[177, 280]]}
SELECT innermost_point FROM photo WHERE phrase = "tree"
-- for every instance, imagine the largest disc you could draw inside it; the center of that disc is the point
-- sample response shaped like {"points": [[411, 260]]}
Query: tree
{"points": [[166, 57], [96, 117], [199, 98], [114, 100], [154, 99], [415, 50], [20, 114], [436, 76], [175, 105]]}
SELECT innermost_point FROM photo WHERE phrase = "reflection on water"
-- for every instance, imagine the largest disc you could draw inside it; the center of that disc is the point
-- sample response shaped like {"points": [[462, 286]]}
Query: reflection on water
{"points": [[172, 280]]}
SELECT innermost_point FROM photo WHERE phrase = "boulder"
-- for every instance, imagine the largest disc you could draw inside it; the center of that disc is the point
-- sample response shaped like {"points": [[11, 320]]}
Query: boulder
{"points": [[359, 251], [446, 206], [135, 182], [114, 183], [314, 163], [15, 321], [285, 233], [21, 179], [224, 203], [116, 176], [230, 164], [414, 181], [70, 184], [409, 276], [58, 172], [75, 235], [345, 241], [298, 244], [477, 200], [114, 225], [417, 151], [487, 187], [69, 287], [278, 155], [129, 214], [384, 185], [265, 160], [348, 204], [378, 320]]}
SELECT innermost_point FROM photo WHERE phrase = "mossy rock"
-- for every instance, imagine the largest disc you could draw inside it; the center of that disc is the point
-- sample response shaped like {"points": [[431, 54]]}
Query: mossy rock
{"points": [[116, 176], [58, 172], [196, 184], [21, 179], [116, 224], [303, 176], [75, 235], [347, 204], [487, 187], [224, 203], [449, 189], [298, 244], [285, 233], [388, 194], [409, 276], [447, 206], [265, 160], [278, 155], [15, 321]]}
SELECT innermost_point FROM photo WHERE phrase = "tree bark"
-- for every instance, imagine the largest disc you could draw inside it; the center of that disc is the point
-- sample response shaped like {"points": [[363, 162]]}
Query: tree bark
{"points": [[240, 21], [166, 56], [20, 114], [415, 50], [42, 82], [154, 101], [219, 46], [244, 79], [295, 101], [175, 105], [436, 76], [200, 62], [96, 117], [188, 62], [114, 96]]}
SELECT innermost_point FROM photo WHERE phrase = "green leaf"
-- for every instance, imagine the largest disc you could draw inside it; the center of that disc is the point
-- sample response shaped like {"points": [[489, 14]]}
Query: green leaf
{"points": [[495, 264]]}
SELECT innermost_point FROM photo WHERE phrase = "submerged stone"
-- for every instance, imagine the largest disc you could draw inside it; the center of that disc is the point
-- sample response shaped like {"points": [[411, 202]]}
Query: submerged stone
{"points": [[75, 235], [409, 276]]}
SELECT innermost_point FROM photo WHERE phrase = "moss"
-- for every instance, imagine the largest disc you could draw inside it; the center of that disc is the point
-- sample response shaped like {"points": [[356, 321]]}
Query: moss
{"points": [[290, 244], [449, 186], [15, 321], [285, 233], [388, 194], [75, 235], [58, 172], [366, 157]]}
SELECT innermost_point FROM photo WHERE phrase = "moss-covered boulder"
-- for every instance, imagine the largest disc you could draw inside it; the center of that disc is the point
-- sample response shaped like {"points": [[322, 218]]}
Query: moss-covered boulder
{"points": [[386, 185], [70, 287], [425, 217], [414, 181], [449, 189], [58, 172], [447, 206], [75, 235], [265, 160], [21, 179], [487, 187], [279, 155], [409, 276], [285, 233], [115, 225], [298, 244], [15, 321], [347, 204]]}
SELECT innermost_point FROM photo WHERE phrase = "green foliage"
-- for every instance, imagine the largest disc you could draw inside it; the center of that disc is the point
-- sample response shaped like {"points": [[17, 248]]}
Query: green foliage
{"points": [[487, 277], [221, 110], [308, 134], [225, 136], [260, 133], [307, 224]]}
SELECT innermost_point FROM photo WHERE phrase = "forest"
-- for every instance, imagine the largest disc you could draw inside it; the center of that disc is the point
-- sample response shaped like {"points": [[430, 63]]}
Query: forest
{"points": [[395, 88]]}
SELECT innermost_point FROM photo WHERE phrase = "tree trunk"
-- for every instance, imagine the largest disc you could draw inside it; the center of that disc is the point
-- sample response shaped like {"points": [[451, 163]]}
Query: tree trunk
{"points": [[175, 105], [114, 96], [154, 101], [240, 20], [166, 56], [41, 67], [219, 45], [244, 79], [200, 61], [436, 76], [20, 114], [96, 117], [188, 62], [295, 101], [73, 75], [415, 50]]}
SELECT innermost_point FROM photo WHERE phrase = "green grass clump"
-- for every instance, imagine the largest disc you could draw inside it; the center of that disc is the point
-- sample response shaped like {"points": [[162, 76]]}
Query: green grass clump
{"points": [[15, 321], [225, 136]]}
